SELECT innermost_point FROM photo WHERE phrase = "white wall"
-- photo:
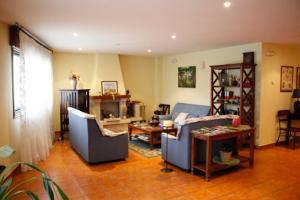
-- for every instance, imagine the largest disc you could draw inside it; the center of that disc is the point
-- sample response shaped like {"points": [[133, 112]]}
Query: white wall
{"points": [[171, 94]]}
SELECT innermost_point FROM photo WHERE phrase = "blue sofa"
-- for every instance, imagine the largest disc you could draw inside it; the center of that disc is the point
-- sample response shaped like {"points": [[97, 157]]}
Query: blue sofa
{"points": [[87, 139], [179, 149]]}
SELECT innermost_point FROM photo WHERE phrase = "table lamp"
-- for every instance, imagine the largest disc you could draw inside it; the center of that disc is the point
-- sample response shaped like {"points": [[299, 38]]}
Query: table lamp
{"points": [[296, 94]]}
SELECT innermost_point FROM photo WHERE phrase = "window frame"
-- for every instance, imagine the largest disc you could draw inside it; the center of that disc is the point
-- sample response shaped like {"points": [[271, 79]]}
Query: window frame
{"points": [[14, 51]]}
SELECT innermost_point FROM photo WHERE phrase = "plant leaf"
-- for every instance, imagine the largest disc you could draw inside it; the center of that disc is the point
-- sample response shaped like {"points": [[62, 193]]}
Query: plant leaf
{"points": [[12, 190], [32, 195], [61, 192], [29, 193], [4, 187], [48, 188], [7, 193], [6, 170]]}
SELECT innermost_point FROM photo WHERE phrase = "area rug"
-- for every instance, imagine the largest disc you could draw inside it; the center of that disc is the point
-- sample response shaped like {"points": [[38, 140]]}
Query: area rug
{"points": [[143, 148]]}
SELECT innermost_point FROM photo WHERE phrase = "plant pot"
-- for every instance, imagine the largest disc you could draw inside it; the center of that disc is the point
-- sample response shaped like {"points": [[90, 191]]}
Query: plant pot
{"points": [[73, 83], [225, 156]]}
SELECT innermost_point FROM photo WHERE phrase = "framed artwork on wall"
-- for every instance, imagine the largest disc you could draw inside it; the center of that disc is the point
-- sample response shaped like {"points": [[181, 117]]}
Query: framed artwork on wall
{"points": [[187, 77], [109, 87], [298, 78], [286, 79]]}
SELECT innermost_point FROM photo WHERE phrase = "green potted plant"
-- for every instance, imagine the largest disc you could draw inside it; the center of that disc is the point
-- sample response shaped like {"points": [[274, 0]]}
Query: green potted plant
{"points": [[8, 191], [226, 152]]}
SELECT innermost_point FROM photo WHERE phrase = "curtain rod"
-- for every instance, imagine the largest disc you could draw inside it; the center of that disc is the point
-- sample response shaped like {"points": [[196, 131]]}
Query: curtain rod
{"points": [[35, 38]]}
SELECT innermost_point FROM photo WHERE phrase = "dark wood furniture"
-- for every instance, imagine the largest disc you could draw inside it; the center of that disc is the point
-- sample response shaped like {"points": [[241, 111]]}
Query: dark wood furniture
{"points": [[208, 137], [283, 123], [293, 128], [233, 90], [154, 133], [78, 99], [163, 109]]}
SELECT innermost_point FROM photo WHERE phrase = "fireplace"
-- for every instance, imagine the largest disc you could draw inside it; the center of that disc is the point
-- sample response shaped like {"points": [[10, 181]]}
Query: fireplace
{"points": [[105, 106], [110, 109]]}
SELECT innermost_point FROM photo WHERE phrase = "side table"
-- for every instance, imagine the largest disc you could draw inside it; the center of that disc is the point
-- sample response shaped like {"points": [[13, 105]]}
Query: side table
{"points": [[209, 135]]}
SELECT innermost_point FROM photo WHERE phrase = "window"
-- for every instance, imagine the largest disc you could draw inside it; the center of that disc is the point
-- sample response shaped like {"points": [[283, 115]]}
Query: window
{"points": [[16, 81]]}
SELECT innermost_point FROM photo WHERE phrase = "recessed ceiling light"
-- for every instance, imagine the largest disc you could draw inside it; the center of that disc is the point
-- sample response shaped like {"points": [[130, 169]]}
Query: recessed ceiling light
{"points": [[75, 34], [227, 4], [80, 49], [173, 37], [149, 50]]}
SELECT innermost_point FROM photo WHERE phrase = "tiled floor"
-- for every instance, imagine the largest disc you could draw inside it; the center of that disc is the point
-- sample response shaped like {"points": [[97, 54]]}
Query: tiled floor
{"points": [[276, 175]]}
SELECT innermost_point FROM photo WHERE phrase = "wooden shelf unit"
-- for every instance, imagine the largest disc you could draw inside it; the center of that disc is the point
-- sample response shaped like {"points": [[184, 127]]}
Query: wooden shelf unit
{"points": [[245, 90], [78, 99]]}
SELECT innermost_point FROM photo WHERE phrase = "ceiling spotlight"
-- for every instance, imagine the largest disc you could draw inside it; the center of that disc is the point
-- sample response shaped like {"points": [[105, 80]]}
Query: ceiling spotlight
{"points": [[75, 34], [227, 4], [173, 37], [80, 49], [149, 50]]}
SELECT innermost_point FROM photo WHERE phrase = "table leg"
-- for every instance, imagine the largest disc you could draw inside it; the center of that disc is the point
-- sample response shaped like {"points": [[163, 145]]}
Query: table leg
{"points": [[130, 132], [251, 159], [208, 159], [151, 141], [193, 154]]}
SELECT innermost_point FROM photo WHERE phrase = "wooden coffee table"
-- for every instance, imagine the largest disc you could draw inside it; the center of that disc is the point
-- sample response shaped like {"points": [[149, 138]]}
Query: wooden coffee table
{"points": [[154, 133]]}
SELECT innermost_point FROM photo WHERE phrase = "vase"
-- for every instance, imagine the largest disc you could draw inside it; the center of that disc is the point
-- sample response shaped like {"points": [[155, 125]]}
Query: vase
{"points": [[73, 84]]}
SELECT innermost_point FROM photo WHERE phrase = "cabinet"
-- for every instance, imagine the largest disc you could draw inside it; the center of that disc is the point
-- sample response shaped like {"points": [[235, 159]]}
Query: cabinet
{"points": [[78, 99], [233, 90]]}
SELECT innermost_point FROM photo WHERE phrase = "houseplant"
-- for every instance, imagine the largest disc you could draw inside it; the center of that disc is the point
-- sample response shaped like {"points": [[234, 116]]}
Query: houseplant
{"points": [[8, 191]]}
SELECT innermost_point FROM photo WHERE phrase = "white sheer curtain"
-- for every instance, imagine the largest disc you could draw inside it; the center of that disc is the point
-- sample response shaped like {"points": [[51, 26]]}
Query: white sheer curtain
{"points": [[36, 100]]}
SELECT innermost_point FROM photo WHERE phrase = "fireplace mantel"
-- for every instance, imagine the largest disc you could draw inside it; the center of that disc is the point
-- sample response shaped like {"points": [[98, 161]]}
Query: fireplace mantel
{"points": [[110, 97]]}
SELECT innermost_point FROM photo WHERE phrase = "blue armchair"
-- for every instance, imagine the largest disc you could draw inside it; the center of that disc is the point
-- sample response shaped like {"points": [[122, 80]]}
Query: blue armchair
{"points": [[87, 139]]}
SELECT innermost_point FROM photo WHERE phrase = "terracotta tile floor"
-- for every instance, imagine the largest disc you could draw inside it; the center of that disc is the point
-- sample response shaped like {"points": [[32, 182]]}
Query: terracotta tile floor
{"points": [[276, 175]]}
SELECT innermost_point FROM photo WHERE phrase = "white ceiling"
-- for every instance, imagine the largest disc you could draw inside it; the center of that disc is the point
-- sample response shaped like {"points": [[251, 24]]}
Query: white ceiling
{"points": [[133, 26]]}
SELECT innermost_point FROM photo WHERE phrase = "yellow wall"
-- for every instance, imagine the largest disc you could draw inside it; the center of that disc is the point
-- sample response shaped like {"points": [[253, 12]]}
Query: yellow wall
{"points": [[8, 126], [272, 100], [140, 77], [92, 68]]}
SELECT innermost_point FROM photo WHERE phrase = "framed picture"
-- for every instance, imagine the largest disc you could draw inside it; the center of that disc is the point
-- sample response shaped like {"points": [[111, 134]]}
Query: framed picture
{"points": [[286, 79], [187, 77], [298, 78], [109, 87], [248, 58]]}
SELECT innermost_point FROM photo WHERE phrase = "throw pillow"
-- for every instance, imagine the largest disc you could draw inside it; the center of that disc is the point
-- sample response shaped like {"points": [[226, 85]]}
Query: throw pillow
{"points": [[180, 119]]}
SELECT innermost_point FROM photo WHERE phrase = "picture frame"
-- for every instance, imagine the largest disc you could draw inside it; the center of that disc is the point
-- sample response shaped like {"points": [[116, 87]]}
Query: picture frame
{"points": [[286, 78], [187, 77], [248, 58], [109, 87], [298, 78]]}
